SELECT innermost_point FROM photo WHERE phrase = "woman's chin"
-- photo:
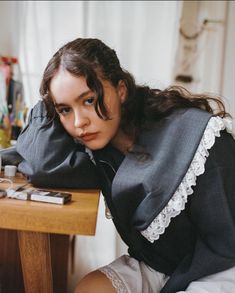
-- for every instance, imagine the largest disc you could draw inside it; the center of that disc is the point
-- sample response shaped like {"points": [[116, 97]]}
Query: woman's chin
{"points": [[95, 145]]}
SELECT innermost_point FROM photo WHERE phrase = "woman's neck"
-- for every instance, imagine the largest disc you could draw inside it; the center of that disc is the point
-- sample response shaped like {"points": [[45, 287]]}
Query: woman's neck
{"points": [[122, 142]]}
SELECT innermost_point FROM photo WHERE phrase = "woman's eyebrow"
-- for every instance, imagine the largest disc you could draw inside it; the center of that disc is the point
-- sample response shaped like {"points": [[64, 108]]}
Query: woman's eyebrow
{"points": [[82, 95]]}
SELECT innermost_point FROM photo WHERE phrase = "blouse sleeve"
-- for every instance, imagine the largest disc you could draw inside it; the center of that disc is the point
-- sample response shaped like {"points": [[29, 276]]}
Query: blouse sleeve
{"points": [[50, 157], [212, 212]]}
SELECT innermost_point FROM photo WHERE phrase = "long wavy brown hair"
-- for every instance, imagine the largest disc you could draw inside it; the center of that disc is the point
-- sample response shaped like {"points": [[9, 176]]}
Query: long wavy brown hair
{"points": [[94, 60]]}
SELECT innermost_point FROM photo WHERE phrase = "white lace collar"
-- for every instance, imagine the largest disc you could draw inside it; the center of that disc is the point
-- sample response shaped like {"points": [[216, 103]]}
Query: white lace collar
{"points": [[177, 203]]}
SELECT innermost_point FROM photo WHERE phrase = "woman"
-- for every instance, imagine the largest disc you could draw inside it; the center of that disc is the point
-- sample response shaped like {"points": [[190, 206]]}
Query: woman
{"points": [[163, 159]]}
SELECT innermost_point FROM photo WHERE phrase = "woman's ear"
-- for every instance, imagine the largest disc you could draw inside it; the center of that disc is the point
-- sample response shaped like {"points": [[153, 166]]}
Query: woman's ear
{"points": [[122, 90]]}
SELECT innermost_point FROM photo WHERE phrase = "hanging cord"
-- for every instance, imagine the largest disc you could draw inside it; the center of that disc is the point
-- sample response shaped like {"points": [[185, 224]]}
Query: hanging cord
{"points": [[12, 192], [200, 30], [2, 180]]}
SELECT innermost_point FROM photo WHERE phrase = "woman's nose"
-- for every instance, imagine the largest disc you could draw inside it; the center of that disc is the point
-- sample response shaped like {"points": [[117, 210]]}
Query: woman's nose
{"points": [[80, 120]]}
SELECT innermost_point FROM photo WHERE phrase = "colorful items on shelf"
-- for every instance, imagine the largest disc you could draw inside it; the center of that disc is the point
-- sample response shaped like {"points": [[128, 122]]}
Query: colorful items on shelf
{"points": [[12, 105]]}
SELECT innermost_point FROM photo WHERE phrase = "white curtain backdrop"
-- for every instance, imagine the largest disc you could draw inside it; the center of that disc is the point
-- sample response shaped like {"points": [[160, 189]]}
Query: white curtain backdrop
{"points": [[144, 35]]}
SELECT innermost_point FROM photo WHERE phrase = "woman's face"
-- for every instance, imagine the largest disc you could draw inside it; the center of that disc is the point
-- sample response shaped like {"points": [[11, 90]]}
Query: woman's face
{"points": [[75, 104]]}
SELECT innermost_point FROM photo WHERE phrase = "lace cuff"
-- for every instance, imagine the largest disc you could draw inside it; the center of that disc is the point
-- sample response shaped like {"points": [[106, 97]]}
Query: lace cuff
{"points": [[196, 168], [117, 283]]}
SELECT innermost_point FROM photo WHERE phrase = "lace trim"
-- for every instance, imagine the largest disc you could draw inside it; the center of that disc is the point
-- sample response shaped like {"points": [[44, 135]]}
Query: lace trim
{"points": [[117, 283], [196, 168]]}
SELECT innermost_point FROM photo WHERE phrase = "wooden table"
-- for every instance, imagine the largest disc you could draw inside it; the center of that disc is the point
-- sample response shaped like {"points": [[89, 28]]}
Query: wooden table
{"points": [[37, 236]]}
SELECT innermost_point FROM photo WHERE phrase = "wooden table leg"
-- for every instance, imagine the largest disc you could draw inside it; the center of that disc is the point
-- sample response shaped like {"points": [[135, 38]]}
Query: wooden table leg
{"points": [[36, 261], [10, 266], [59, 258]]}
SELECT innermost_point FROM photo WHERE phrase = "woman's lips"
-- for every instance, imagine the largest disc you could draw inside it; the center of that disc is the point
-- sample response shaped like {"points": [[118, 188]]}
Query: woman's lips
{"points": [[88, 136]]}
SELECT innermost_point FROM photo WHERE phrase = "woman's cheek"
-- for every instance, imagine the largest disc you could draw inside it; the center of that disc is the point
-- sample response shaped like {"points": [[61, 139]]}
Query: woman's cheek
{"points": [[65, 124]]}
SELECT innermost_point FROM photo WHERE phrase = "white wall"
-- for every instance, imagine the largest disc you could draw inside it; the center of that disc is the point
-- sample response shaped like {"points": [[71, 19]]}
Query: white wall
{"points": [[201, 57], [228, 88], [213, 67]]}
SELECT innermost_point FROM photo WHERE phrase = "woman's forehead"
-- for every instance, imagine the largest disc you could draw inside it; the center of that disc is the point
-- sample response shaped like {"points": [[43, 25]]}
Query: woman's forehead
{"points": [[65, 84]]}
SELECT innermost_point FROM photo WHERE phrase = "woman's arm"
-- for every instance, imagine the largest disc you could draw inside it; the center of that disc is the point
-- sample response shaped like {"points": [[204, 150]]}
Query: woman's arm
{"points": [[212, 212], [10, 156], [50, 157]]}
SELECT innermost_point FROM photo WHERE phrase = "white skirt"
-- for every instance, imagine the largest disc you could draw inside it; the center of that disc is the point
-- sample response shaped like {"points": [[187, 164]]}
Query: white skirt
{"points": [[131, 276]]}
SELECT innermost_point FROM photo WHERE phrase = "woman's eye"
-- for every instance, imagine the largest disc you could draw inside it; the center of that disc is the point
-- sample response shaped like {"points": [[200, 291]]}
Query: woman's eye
{"points": [[89, 101], [64, 111]]}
